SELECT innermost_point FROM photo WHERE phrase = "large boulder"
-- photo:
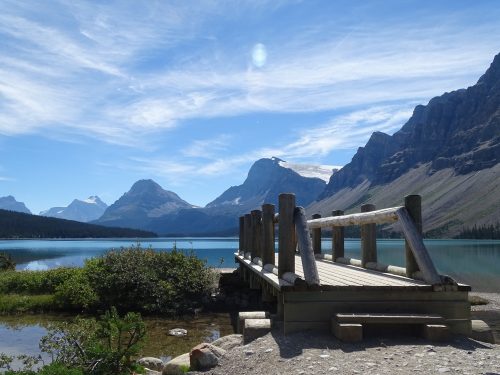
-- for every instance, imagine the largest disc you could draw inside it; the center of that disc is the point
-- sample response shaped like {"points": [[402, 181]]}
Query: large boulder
{"points": [[205, 356], [177, 366], [229, 342], [151, 363]]}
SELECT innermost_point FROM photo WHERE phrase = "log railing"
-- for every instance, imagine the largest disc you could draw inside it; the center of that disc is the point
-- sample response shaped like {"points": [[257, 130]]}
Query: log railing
{"points": [[257, 239]]}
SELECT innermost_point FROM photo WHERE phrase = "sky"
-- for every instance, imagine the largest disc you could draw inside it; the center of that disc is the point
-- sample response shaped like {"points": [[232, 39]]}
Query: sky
{"points": [[95, 95]]}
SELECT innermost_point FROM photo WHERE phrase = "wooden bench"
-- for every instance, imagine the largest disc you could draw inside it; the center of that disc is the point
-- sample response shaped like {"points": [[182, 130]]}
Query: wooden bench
{"points": [[349, 327]]}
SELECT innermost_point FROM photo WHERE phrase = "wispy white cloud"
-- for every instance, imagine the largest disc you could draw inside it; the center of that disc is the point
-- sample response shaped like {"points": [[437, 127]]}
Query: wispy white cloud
{"points": [[95, 70]]}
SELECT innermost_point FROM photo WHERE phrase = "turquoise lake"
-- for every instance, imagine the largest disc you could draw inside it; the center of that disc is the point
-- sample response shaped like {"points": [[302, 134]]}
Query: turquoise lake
{"points": [[473, 262]]}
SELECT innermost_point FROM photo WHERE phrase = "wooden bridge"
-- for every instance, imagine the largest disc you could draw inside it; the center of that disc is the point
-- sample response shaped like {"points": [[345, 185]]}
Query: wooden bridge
{"points": [[321, 291]]}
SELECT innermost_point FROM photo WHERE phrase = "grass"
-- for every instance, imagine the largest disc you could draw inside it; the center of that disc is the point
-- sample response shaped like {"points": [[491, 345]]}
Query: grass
{"points": [[22, 303]]}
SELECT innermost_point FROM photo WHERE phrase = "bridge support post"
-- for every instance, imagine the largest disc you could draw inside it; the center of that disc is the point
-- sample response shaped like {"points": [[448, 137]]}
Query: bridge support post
{"points": [[316, 236], [413, 204], [248, 232], [286, 237], [368, 239], [241, 245], [337, 238], [256, 233], [268, 256]]}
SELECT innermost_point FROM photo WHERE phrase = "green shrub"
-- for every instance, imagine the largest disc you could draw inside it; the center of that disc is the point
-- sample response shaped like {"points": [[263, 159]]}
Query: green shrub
{"points": [[6, 262], [34, 282], [16, 303], [102, 347], [136, 279], [76, 293]]}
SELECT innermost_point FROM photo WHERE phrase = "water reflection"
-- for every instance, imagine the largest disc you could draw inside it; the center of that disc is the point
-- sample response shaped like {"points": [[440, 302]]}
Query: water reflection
{"points": [[21, 334]]}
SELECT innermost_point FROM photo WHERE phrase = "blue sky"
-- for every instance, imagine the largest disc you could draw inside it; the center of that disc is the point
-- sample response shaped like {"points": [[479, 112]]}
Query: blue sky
{"points": [[95, 95]]}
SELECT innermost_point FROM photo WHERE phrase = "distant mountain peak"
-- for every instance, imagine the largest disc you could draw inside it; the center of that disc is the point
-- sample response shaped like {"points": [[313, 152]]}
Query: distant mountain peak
{"points": [[145, 200], [10, 203], [83, 210], [268, 177]]}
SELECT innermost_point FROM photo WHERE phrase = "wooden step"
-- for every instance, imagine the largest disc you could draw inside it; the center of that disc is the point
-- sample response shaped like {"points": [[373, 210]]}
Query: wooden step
{"points": [[385, 318]]}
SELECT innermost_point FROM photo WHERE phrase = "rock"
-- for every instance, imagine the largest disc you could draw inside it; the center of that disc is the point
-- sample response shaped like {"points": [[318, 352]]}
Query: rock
{"points": [[482, 332], [178, 332], [205, 356], [229, 342], [151, 363], [177, 366]]}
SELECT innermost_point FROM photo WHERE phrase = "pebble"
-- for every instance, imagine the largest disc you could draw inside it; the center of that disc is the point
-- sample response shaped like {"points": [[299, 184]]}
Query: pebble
{"points": [[268, 350], [324, 355], [333, 369], [443, 369], [249, 352]]}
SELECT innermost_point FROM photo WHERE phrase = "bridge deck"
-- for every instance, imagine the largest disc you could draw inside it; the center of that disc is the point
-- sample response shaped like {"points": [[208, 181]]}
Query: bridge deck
{"points": [[350, 289]]}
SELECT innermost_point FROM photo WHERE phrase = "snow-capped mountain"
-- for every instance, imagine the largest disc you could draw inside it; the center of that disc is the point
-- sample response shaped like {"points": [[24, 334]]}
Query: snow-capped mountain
{"points": [[266, 179], [10, 203], [323, 172], [84, 210]]}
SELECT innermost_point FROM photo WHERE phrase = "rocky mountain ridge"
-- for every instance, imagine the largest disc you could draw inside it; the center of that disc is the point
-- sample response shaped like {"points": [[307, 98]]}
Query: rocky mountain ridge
{"points": [[456, 136]]}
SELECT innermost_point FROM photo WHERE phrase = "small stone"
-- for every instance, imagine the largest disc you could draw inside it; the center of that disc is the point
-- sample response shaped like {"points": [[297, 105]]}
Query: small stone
{"points": [[268, 350], [249, 352], [324, 355], [310, 367], [333, 369], [418, 355], [177, 365], [205, 356], [151, 363], [178, 332], [371, 364], [443, 369]]}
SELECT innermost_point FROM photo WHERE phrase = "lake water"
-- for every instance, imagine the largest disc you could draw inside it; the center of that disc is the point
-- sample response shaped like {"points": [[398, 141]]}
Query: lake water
{"points": [[473, 262]]}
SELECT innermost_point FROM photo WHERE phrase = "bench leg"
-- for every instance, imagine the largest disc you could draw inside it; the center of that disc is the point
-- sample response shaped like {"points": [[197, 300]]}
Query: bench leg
{"points": [[435, 332], [347, 332]]}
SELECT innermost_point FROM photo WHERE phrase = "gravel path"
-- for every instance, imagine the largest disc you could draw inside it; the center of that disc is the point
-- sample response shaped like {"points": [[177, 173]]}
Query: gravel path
{"points": [[308, 353], [313, 353]]}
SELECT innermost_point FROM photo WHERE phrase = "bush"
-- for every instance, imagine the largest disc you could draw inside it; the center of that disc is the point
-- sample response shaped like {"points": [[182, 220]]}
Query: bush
{"points": [[6, 262], [136, 279], [102, 347], [34, 282], [75, 293], [132, 279]]}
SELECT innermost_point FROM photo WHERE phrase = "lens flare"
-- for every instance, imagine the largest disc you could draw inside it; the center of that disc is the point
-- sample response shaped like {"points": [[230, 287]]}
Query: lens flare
{"points": [[259, 55]]}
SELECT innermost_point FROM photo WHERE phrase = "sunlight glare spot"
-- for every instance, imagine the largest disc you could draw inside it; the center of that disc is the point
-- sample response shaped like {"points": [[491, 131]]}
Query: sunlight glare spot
{"points": [[259, 55]]}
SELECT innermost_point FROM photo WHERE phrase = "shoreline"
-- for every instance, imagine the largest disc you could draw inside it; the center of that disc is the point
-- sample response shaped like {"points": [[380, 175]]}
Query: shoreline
{"points": [[321, 353]]}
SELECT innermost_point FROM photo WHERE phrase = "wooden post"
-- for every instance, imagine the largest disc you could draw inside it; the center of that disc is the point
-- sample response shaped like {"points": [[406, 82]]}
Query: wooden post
{"points": [[337, 238], [248, 234], [368, 238], [306, 247], [316, 236], [413, 204], [257, 233], [242, 235], [268, 256], [286, 237]]}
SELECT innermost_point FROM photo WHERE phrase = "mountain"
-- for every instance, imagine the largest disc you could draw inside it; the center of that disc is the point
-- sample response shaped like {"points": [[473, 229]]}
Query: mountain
{"points": [[86, 210], [448, 151], [148, 206], [10, 203], [142, 204], [21, 225], [268, 178]]}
